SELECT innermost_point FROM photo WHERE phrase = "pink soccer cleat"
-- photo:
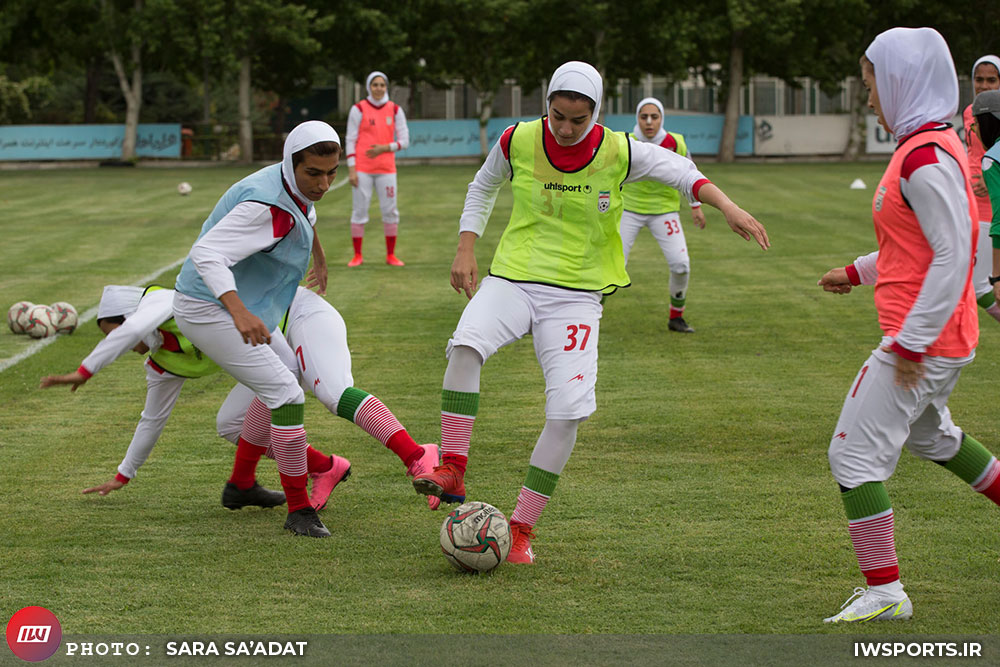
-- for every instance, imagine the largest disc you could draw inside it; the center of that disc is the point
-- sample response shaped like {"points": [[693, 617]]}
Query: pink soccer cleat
{"points": [[445, 482], [392, 260], [424, 465], [356, 261], [323, 483]]}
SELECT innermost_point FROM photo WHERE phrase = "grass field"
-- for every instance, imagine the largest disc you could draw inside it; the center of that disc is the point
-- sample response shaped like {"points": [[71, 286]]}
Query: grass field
{"points": [[698, 499]]}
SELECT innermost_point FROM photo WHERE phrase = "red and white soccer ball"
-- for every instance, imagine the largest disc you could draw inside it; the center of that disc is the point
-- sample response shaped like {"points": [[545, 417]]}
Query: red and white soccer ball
{"points": [[41, 322], [17, 316], [475, 537], [64, 316]]}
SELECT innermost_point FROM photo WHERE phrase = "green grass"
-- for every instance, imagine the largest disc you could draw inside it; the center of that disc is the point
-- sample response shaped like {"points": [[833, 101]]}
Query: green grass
{"points": [[698, 499]]}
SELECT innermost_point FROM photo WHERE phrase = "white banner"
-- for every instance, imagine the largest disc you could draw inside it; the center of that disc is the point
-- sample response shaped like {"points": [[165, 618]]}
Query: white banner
{"points": [[878, 140]]}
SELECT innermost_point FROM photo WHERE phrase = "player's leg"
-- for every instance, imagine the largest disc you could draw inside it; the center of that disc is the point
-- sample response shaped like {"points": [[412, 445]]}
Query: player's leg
{"points": [[385, 186], [669, 235], [934, 436], [866, 444], [565, 339], [497, 315], [361, 198], [259, 367], [982, 270], [629, 228]]}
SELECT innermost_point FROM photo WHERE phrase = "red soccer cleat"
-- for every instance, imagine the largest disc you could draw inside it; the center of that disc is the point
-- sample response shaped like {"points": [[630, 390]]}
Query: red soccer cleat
{"points": [[392, 260], [520, 547], [358, 259], [446, 482]]}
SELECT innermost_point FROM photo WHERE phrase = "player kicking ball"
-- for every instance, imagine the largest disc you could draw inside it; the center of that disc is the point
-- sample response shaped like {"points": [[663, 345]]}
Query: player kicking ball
{"points": [[925, 219], [561, 251]]}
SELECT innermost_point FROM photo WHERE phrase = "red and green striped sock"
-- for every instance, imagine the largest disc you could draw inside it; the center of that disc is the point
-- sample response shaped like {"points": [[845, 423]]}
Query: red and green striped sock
{"points": [[458, 414], [538, 487], [376, 420], [977, 467], [870, 523]]}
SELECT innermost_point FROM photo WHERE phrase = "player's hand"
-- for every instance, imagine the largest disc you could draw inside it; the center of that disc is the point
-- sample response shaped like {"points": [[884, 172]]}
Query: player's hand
{"points": [[746, 226], [836, 281], [317, 277], [252, 329], [979, 186], [996, 292], [465, 273], [104, 489], [376, 150], [74, 379], [698, 217], [352, 177], [908, 373]]}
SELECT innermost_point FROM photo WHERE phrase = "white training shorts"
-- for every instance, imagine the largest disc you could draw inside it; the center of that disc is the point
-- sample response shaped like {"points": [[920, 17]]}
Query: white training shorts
{"points": [[879, 418], [260, 367], [384, 186], [564, 325], [666, 229]]}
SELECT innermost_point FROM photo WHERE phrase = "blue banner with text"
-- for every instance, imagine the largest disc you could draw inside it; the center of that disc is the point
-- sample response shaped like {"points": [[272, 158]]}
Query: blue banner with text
{"points": [[86, 142]]}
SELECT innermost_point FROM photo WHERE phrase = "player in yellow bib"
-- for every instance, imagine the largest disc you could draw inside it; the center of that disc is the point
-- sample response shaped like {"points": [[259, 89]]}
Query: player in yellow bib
{"points": [[657, 207], [561, 251]]}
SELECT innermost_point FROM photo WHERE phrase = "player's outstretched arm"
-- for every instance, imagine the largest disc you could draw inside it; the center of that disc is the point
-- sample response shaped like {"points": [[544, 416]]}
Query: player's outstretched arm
{"points": [[739, 220], [835, 280], [104, 489], [464, 270], [74, 379], [317, 276]]}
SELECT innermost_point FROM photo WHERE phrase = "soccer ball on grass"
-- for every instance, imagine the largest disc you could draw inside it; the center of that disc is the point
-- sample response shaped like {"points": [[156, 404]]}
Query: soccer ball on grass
{"points": [[17, 316], [41, 322], [475, 537], [184, 188], [64, 316]]}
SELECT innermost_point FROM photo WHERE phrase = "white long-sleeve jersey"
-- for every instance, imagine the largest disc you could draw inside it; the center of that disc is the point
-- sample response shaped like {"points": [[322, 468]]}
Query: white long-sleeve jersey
{"points": [[154, 309], [401, 134], [649, 162], [245, 230]]}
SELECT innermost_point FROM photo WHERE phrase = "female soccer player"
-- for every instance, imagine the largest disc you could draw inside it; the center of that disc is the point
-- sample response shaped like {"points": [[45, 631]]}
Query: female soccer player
{"points": [[559, 253], [657, 207], [925, 223], [985, 76], [376, 129], [236, 284]]}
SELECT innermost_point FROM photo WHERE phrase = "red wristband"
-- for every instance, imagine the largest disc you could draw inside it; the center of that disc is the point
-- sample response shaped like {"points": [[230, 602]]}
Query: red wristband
{"points": [[84, 372], [122, 478], [909, 355], [853, 275]]}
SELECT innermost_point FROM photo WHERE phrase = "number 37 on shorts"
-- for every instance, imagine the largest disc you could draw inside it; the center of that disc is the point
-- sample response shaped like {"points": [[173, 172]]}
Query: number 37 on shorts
{"points": [[577, 337]]}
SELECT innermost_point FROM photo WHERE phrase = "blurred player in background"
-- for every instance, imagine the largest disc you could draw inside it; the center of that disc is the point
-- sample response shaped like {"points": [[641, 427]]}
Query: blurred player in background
{"points": [[376, 129], [142, 320], [925, 222], [985, 76], [657, 207], [560, 252]]}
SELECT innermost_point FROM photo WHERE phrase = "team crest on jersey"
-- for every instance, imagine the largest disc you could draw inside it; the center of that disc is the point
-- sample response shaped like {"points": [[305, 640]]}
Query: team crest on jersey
{"points": [[388, 120], [880, 197], [603, 201]]}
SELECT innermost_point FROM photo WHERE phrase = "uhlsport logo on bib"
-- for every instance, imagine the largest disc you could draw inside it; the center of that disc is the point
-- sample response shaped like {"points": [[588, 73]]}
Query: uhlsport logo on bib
{"points": [[34, 634], [604, 201]]}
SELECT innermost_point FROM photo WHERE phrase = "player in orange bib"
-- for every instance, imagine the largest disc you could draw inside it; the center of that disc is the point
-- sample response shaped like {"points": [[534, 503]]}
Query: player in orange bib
{"points": [[926, 225], [376, 129]]}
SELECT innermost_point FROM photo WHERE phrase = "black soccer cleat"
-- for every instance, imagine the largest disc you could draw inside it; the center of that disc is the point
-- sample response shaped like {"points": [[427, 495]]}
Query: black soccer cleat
{"points": [[679, 325], [306, 522], [234, 498]]}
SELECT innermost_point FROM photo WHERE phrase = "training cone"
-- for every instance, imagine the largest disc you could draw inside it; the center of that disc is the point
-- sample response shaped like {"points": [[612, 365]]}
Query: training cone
{"points": [[858, 184]]}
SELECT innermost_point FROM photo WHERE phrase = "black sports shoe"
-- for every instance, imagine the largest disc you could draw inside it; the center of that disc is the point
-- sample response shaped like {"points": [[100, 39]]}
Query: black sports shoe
{"points": [[235, 498], [678, 324], [306, 522]]}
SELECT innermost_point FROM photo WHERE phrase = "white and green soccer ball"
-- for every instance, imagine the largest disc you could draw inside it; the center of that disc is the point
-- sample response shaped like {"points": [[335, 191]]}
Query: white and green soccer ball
{"points": [[64, 316], [17, 316], [41, 322], [475, 537]]}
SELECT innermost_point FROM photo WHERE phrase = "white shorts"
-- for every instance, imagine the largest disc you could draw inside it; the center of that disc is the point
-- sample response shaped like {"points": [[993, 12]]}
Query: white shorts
{"points": [[316, 352], [260, 367], [564, 325], [983, 268], [879, 418], [361, 198], [666, 229]]}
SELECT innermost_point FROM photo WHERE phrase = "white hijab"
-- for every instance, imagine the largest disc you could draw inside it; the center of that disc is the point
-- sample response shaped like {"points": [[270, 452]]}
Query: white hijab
{"points": [[578, 77], [368, 87], [119, 300], [637, 130], [302, 136], [991, 59], [915, 77]]}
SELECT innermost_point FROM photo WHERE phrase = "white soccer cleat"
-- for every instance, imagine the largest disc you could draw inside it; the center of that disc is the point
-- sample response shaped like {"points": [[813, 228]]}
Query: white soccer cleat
{"points": [[869, 605]]}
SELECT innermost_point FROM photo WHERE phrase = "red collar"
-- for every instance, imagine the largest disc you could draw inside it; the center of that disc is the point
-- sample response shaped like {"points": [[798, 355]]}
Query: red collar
{"points": [[571, 158], [302, 207]]}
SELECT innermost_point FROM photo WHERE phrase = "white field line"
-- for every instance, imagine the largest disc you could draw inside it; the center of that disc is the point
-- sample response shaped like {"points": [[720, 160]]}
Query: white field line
{"points": [[91, 312]]}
